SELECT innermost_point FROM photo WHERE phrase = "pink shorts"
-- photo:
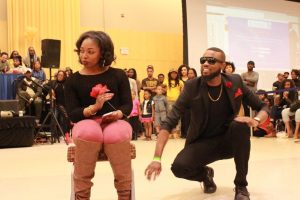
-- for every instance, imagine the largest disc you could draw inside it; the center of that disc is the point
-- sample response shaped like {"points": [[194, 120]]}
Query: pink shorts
{"points": [[90, 130]]}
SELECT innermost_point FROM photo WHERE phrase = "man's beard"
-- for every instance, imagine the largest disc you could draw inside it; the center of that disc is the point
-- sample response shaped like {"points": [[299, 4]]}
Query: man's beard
{"points": [[211, 76]]}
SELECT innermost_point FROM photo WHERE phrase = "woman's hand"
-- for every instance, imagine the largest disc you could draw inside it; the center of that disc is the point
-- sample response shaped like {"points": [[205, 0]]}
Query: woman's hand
{"points": [[112, 116], [153, 170], [101, 98]]}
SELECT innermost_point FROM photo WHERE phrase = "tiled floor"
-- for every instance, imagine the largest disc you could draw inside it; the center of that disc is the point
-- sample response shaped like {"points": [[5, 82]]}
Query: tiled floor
{"points": [[41, 172]]}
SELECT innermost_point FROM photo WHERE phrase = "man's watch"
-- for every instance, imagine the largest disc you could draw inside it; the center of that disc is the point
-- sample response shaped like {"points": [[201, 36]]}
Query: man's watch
{"points": [[257, 119]]}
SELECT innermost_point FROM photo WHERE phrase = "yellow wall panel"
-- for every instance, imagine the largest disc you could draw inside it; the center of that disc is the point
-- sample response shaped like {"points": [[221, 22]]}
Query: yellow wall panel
{"points": [[162, 50]]}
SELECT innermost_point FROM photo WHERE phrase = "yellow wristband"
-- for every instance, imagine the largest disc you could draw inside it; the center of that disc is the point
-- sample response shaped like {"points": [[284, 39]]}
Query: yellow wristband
{"points": [[157, 159], [90, 110]]}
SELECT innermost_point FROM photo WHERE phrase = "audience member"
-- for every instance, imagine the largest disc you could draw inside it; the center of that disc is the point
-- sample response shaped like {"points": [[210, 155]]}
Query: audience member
{"points": [[183, 76], [295, 77], [29, 92], [229, 68], [183, 72], [277, 84], [18, 67], [147, 113], [150, 82], [4, 66], [56, 88], [174, 86], [12, 55], [132, 74], [68, 71], [192, 73], [266, 128], [133, 118], [161, 107], [283, 100], [250, 78], [286, 75], [161, 79], [287, 113], [31, 58], [38, 72]]}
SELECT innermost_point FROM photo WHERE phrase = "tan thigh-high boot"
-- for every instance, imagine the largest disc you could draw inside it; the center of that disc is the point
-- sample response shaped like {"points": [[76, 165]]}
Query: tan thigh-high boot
{"points": [[86, 155], [120, 160]]}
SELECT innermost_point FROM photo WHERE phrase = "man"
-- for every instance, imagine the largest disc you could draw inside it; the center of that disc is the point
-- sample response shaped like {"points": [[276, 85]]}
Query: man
{"points": [[278, 84], [160, 79], [30, 92], [150, 82], [250, 79], [4, 66], [215, 132], [31, 58], [295, 74], [286, 75], [18, 68]]}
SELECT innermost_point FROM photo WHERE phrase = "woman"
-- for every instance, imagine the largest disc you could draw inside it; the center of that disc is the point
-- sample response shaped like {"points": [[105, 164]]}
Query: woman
{"points": [[186, 118], [173, 86], [229, 68], [38, 72], [131, 73], [282, 101], [87, 101], [192, 73], [183, 72]]}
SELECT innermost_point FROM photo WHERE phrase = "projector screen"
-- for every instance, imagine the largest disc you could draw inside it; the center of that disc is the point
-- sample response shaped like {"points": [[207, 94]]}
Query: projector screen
{"points": [[267, 33]]}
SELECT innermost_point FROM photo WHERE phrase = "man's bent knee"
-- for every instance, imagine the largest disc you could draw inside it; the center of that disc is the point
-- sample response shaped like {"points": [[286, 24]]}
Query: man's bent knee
{"points": [[239, 128]]}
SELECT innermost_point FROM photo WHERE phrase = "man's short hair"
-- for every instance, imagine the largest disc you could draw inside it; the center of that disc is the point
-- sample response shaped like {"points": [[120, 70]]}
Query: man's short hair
{"points": [[216, 49], [3, 53], [251, 63], [150, 67]]}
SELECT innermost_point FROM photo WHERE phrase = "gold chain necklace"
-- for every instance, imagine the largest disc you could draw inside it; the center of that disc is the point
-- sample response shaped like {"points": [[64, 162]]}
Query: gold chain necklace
{"points": [[217, 99]]}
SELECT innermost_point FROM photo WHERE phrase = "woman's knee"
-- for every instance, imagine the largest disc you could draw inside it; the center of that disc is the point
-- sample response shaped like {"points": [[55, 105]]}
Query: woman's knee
{"points": [[88, 130], [116, 132], [297, 115], [286, 114]]}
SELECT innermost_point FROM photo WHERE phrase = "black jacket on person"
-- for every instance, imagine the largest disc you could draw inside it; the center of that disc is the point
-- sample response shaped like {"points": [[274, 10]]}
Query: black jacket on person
{"points": [[194, 96]]}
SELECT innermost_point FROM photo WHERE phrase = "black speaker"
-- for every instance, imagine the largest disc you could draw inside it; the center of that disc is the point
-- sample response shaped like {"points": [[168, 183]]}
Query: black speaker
{"points": [[50, 53]]}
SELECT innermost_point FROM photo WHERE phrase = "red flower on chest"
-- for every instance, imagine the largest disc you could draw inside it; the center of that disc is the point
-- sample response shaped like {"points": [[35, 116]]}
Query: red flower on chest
{"points": [[228, 84], [238, 93]]}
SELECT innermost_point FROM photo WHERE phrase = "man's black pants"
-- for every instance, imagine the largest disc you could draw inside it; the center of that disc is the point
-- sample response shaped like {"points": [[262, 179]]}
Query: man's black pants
{"points": [[235, 143]]}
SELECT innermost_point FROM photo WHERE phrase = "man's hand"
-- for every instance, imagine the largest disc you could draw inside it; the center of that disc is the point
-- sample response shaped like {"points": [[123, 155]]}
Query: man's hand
{"points": [[248, 120], [153, 170]]}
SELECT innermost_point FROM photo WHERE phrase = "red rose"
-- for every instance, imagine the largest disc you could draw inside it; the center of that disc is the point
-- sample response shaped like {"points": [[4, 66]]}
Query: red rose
{"points": [[238, 93], [228, 84], [98, 89]]}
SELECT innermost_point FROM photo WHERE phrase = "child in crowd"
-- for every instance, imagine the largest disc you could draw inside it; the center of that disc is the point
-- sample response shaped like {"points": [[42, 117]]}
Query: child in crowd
{"points": [[134, 116], [161, 107], [147, 114]]}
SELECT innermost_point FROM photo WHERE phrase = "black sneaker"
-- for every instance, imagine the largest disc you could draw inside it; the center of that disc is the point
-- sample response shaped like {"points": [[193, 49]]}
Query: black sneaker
{"points": [[208, 182], [241, 193]]}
